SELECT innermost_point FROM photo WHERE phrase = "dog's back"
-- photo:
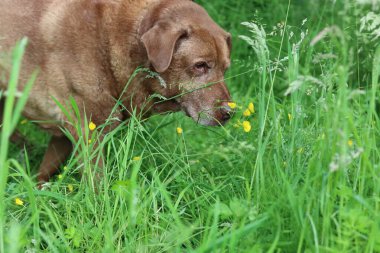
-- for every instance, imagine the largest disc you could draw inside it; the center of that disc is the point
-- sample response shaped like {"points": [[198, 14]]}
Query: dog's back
{"points": [[20, 18], [62, 45]]}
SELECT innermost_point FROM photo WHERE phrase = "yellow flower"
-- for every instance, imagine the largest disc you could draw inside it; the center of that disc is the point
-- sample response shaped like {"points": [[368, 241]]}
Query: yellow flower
{"points": [[92, 126], [290, 117], [60, 176], [70, 187], [179, 130], [232, 105], [89, 141], [136, 158], [19, 202], [247, 126], [247, 113], [350, 143], [251, 108]]}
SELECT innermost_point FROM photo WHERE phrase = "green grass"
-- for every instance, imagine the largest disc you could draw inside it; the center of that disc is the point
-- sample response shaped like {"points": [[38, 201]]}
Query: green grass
{"points": [[306, 178]]}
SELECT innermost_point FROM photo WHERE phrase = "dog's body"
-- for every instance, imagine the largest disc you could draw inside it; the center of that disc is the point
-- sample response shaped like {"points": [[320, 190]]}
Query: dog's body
{"points": [[88, 49]]}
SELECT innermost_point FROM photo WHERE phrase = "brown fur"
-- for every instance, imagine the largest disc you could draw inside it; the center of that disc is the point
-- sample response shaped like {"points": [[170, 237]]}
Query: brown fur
{"points": [[88, 49]]}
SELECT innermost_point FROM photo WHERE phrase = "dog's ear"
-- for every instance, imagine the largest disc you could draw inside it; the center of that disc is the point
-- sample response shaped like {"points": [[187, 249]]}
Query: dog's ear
{"points": [[160, 41]]}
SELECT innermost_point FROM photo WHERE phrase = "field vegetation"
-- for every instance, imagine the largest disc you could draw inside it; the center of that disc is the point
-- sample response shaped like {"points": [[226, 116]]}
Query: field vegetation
{"points": [[297, 169]]}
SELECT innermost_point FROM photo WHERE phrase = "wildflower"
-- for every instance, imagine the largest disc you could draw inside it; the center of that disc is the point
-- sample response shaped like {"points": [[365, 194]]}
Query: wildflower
{"points": [[70, 187], [247, 126], [136, 158], [251, 107], [350, 143], [247, 113], [179, 130], [89, 141], [91, 126], [290, 117], [19, 202], [60, 176], [333, 166], [232, 105]]}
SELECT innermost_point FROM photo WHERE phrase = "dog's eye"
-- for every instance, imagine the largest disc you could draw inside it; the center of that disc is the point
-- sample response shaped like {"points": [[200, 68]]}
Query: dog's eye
{"points": [[201, 67]]}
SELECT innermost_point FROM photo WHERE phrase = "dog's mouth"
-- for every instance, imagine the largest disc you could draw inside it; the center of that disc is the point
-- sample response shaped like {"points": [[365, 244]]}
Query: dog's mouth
{"points": [[214, 116]]}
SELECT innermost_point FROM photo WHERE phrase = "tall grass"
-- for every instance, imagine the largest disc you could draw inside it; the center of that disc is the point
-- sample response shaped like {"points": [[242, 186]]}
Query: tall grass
{"points": [[12, 113], [306, 178]]}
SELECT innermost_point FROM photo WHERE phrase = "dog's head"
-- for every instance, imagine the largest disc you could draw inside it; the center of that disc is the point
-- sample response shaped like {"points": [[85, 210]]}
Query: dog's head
{"points": [[191, 52]]}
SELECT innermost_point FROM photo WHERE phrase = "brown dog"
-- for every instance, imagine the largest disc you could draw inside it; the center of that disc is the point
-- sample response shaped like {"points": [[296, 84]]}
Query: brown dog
{"points": [[88, 49]]}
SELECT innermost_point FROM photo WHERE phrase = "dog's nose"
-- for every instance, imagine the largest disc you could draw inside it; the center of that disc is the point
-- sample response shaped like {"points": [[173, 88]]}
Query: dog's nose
{"points": [[226, 111]]}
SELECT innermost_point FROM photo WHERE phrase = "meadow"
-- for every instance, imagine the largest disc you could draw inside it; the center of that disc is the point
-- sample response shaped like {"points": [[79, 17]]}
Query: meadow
{"points": [[297, 169]]}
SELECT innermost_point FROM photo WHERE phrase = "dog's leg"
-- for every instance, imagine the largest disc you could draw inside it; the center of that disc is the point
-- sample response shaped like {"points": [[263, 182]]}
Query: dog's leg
{"points": [[58, 150]]}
